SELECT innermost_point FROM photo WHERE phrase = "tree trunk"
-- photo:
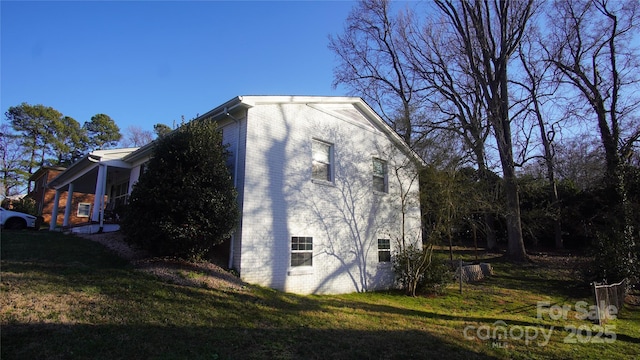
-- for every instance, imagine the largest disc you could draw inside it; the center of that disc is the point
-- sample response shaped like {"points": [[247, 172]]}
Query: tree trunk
{"points": [[553, 189], [489, 223], [515, 247], [490, 228]]}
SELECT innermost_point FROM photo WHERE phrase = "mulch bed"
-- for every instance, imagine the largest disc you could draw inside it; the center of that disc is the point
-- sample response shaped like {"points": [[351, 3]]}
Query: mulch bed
{"points": [[181, 272]]}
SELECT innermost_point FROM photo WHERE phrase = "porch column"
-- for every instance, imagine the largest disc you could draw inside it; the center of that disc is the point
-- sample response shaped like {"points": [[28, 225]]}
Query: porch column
{"points": [[98, 200], [54, 212], [67, 209]]}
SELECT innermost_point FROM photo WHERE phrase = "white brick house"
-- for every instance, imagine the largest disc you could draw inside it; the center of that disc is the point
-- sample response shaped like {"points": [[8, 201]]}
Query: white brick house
{"points": [[326, 191]]}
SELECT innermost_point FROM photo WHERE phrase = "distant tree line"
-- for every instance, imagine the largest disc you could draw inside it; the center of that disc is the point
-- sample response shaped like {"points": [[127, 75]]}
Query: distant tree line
{"points": [[33, 136]]}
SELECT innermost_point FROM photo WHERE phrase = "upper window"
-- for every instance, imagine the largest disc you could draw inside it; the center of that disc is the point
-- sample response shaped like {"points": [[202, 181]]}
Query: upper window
{"points": [[379, 175], [321, 167], [384, 250], [84, 209], [301, 251]]}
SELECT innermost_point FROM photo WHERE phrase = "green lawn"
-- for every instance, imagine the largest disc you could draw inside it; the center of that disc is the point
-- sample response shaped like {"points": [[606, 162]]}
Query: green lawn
{"points": [[65, 297]]}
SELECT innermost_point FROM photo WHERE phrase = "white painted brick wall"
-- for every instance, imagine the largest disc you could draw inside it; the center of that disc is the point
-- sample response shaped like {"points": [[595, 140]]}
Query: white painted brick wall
{"points": [[345, 219]]}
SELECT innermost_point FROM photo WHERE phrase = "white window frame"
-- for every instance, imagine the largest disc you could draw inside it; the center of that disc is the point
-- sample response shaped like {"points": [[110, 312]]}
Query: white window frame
{"points": [[301, 245], [82, 205], [377, 176], [384, 247], [315, 160]]}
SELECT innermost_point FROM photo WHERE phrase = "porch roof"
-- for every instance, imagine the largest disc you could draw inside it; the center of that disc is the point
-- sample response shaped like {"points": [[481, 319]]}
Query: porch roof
{"points": [[83, 173]]}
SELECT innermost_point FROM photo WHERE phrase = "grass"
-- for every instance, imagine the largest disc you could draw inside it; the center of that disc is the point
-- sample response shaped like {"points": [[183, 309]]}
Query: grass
{"points": [[69, 298]]}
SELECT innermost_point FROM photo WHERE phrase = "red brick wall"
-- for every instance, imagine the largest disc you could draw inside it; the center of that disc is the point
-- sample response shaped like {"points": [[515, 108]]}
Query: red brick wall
{"points": [[78, 198], [45, 198]]}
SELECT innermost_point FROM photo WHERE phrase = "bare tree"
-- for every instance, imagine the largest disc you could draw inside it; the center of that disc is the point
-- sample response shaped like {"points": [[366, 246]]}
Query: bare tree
{"points": [[135, 137], [580, 161], [590, 46], [12, 171], [460, 73], [489, 33], [455, 98], [538, 88], [372, 63]]}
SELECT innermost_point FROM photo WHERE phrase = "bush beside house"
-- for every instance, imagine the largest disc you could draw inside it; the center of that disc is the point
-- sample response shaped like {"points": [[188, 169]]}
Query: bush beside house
{"points": [[184, 202]]}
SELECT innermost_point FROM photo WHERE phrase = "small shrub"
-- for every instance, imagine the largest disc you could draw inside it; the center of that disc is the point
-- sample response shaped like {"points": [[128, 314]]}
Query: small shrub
{"points": [[417, 271], [435, 278]]}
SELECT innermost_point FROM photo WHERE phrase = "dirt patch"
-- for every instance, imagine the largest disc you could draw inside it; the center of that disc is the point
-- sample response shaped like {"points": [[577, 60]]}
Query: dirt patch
{"points": [[199, 274]]}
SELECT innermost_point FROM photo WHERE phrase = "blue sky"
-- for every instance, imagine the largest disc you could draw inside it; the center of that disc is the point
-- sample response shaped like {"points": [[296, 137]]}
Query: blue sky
{"points": [[144, 63]]}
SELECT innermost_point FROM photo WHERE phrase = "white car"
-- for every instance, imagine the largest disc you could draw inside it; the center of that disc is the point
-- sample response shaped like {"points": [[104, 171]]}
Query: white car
{"points": [[16, 220]]}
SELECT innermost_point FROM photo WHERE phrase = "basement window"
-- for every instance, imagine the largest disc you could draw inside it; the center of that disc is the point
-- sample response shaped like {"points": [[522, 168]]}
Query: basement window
{"points": [[384, 250], [301, 251]]}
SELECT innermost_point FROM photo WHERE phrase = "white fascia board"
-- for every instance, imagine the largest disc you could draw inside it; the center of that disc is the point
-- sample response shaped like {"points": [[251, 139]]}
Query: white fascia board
{"points": [[114, 153], [250, 101], [293, 99], [222, 110]]}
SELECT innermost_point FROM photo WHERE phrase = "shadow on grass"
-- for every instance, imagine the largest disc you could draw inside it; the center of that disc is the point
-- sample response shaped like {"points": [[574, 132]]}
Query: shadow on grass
{"points": [[174, 342], [543, 275], [116, 312], [103, 309]]}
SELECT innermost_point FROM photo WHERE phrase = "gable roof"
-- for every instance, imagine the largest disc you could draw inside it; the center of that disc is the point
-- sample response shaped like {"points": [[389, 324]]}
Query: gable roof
{"points": [[334, 104]]}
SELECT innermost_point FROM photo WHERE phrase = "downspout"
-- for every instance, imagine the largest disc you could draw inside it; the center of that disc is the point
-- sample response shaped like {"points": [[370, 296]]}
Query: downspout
{"points": [[235, 181]]}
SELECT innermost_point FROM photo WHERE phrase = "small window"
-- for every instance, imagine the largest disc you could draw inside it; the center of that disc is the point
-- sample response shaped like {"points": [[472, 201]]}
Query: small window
{"points": [[301, 251], [379, 175], [321, 165], [384, 250], [84, 209]]}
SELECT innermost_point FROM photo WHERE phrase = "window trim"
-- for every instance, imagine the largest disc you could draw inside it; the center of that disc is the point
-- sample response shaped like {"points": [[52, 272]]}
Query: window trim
{"points": [[302, 240], [386, 248], [330, 176], [83, 204], [385, 176]]}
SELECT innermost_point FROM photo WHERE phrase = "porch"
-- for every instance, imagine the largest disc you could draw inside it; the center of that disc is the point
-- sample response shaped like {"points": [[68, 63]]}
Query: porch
{"points": [[108, 176]]}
